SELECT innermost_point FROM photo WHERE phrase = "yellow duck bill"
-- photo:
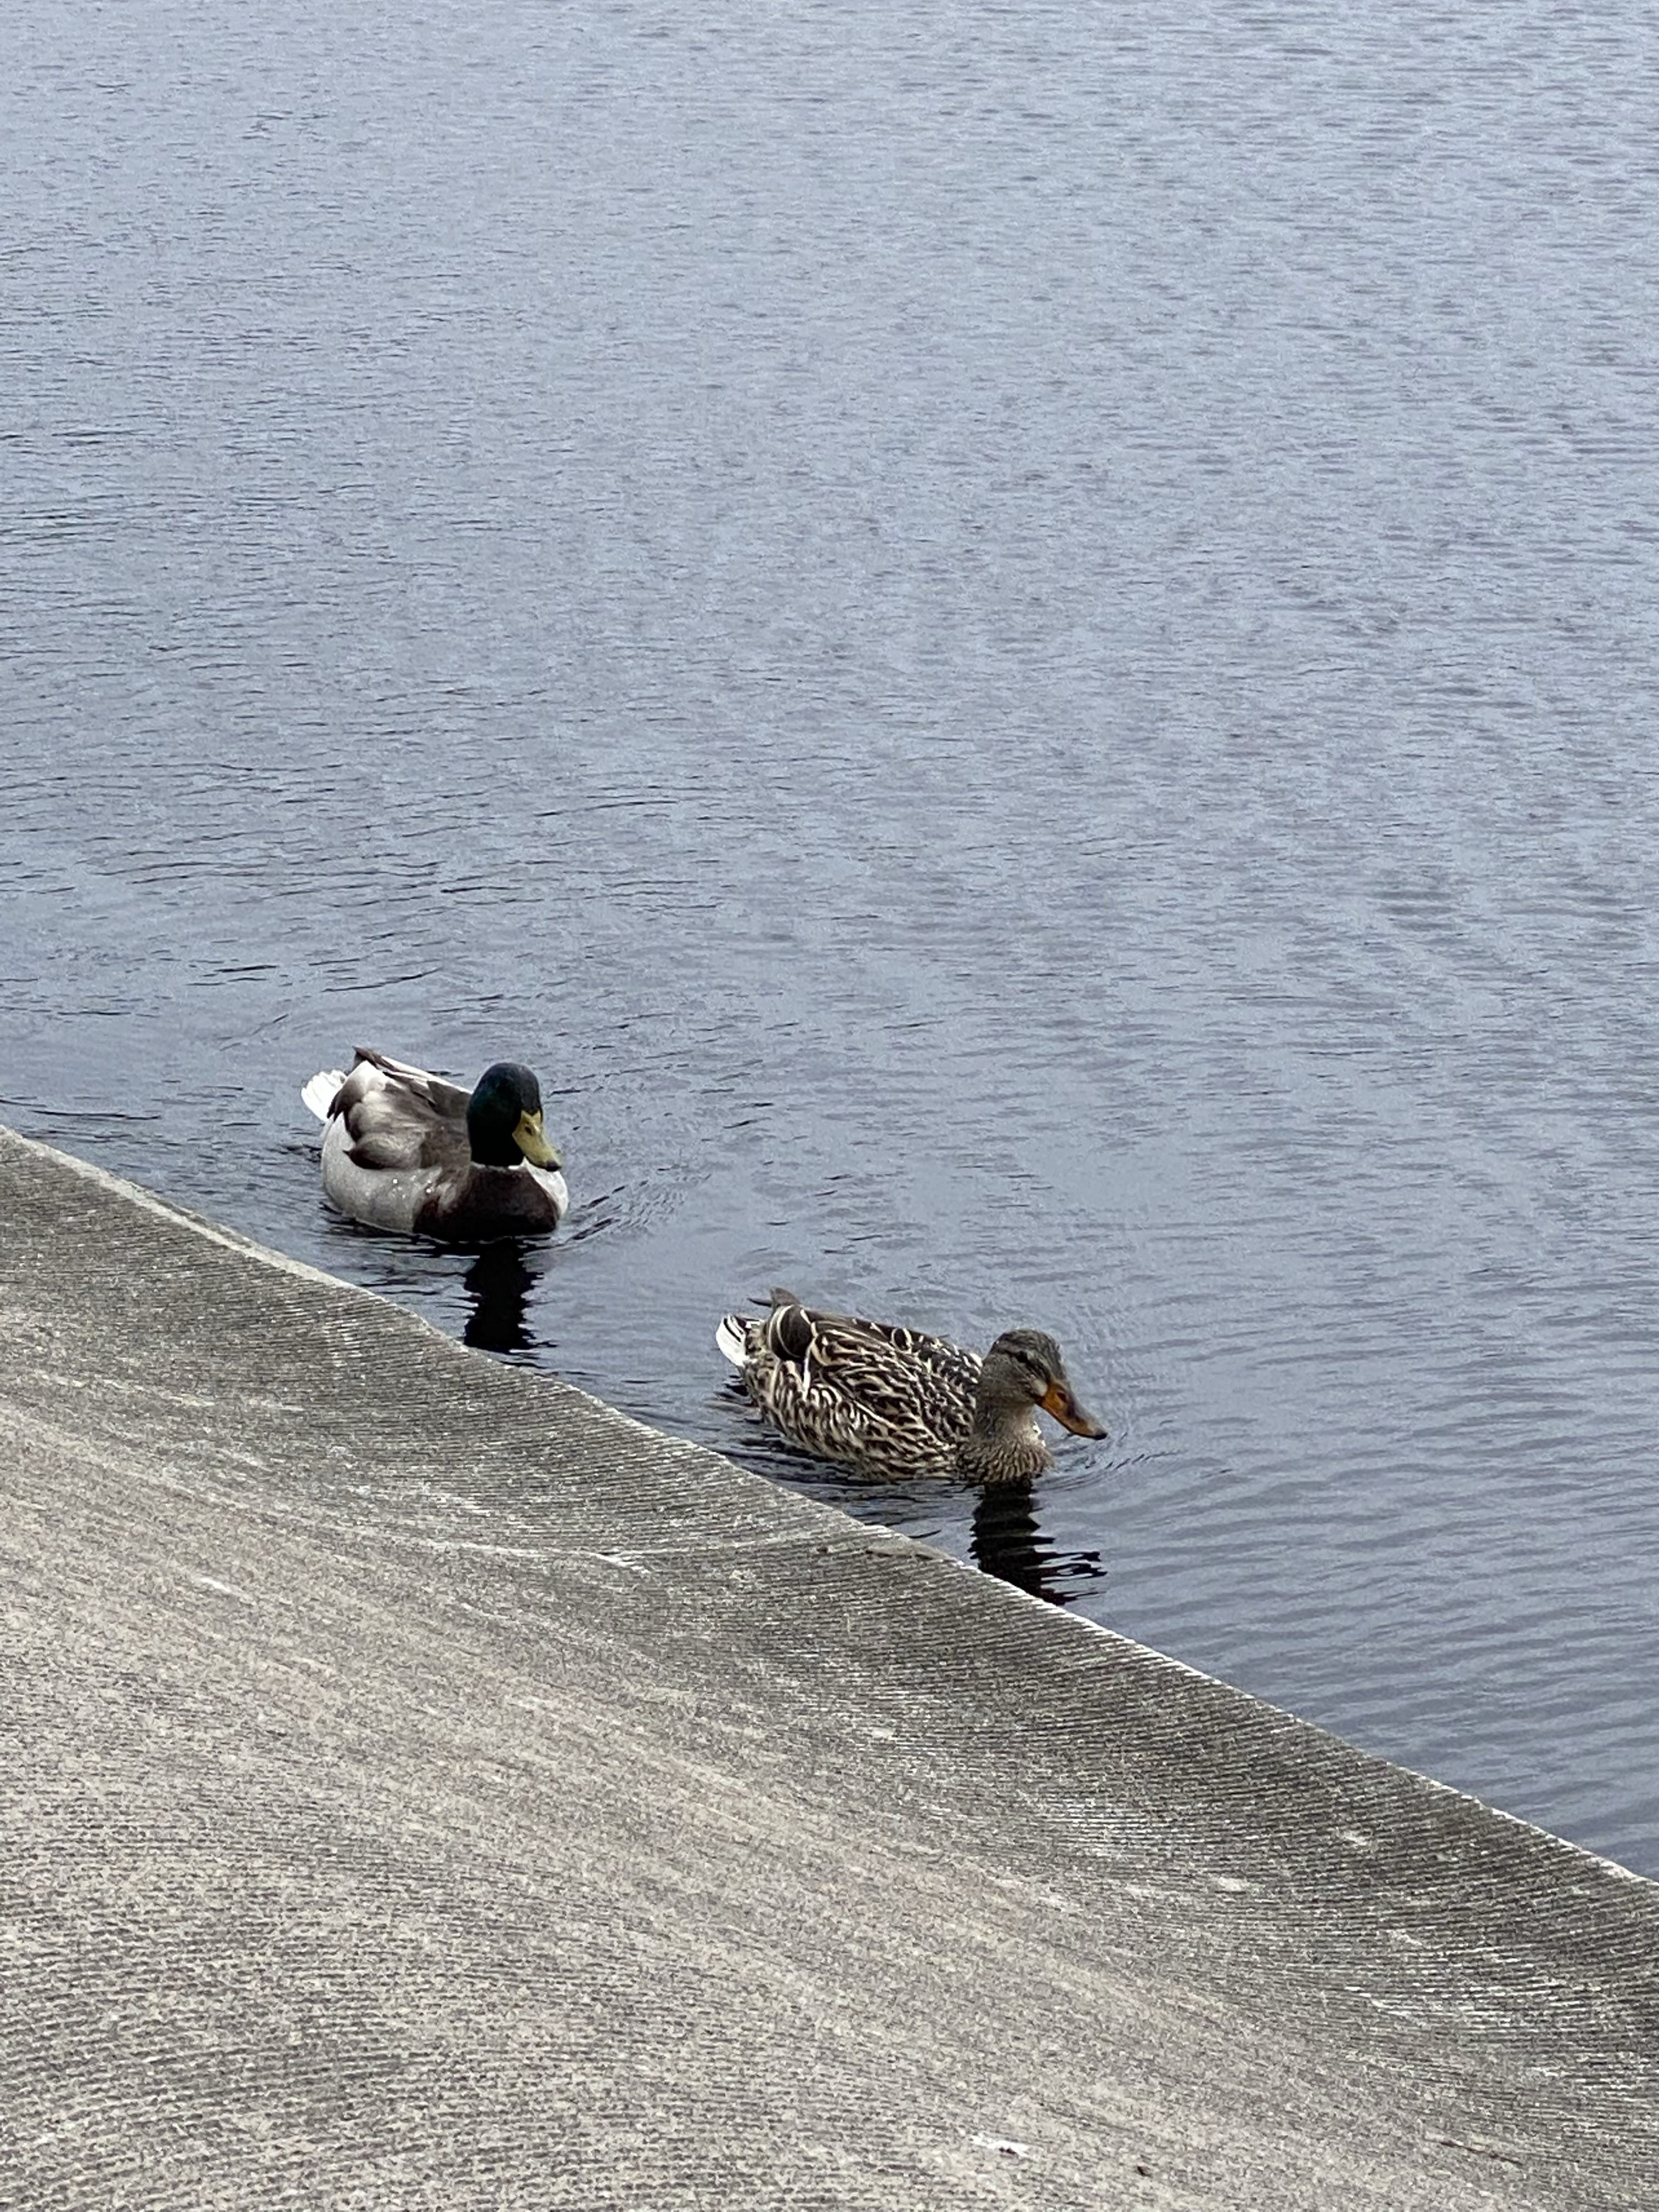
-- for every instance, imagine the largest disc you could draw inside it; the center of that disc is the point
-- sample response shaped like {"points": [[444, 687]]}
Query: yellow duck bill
{"points": [[531, 1140]]}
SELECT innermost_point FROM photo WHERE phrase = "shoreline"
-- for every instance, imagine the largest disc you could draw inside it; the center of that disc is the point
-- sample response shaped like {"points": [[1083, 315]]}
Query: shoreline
{"points": [[436, 1786]]}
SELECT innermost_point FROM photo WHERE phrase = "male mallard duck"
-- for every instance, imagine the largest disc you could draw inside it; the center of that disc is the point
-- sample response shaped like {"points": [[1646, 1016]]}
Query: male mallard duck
{"points": [[895, 1404], [405, 1150]]}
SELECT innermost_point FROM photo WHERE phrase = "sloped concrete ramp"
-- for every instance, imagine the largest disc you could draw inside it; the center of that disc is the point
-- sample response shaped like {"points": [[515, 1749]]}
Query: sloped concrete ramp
{"points": [[426, 1788]]}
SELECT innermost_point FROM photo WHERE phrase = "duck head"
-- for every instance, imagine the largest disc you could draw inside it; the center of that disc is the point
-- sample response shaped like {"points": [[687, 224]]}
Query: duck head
{"points": [[504, 1118], [1024, 1365]]}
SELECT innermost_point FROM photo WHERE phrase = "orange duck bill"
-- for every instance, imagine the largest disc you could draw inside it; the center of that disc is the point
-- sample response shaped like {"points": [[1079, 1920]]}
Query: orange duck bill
{"points": [[1057, 1399]]}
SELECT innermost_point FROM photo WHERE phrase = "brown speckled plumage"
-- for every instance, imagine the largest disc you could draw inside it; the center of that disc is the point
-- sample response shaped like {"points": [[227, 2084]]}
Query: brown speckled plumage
{"points": [[897, 1404]]}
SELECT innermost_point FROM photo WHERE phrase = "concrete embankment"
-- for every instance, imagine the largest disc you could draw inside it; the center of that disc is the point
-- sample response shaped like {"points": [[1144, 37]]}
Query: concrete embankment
{"points": [[426, 1787]]}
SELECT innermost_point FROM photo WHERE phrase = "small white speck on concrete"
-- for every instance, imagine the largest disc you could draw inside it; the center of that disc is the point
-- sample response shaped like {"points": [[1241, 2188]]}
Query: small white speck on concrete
{"points": [[1005, 2146], [225, 1589]]}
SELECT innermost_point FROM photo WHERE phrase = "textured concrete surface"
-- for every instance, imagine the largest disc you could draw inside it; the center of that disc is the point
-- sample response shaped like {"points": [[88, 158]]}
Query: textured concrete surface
{"points": [[425, 1787]]}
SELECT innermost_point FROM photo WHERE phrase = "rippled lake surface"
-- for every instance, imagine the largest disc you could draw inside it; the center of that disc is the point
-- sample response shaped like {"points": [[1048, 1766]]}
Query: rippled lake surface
{"points": [[1018, 647]]}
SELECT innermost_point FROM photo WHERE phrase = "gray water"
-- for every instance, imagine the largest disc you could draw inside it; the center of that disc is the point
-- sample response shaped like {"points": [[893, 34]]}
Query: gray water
{"points": [[1017, 645]]}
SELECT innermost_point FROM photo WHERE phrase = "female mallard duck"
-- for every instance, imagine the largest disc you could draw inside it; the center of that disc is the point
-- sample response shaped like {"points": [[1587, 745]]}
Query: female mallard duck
{"points": [[895, 1404], [405, 1150]]}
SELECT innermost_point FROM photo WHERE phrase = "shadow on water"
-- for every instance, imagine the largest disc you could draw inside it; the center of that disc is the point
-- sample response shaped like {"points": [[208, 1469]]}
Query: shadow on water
{"points": [[498, 1285], [1007, 1542]]}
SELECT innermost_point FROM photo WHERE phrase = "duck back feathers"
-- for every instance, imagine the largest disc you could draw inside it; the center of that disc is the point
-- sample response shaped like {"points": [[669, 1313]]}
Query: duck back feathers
{"points": [[888, 1401]]}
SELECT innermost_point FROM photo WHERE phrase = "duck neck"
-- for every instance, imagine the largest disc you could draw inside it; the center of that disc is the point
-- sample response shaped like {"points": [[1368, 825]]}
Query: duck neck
{"points": [[490, 1137], [1004, 1443], [492, 1149]]}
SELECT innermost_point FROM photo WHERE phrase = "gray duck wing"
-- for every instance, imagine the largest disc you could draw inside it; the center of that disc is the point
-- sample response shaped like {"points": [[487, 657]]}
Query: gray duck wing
{"points": [[448, 1101], [400, 1118]]}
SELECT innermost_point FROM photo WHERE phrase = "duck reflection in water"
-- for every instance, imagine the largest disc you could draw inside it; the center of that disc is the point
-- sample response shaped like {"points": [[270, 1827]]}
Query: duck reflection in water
{"points": [[498, 1284], [1007, 1542]]}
